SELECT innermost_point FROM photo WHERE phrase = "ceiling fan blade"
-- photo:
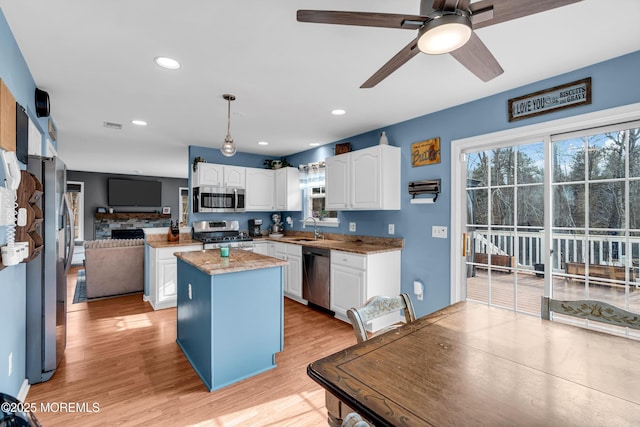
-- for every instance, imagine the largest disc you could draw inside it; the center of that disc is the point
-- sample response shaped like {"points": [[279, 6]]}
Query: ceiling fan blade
{"points": [[475, 56], [364, 19], [408, 52], [506, 10]]}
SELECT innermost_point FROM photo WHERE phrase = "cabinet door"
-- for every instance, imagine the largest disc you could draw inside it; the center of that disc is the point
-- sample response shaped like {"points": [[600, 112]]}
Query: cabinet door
{"points": [[287, 188], [365, 179], [346, 288], [259, 191], [208, 174], [294, 275], [234, 176], [337, 182], [167, 280]]}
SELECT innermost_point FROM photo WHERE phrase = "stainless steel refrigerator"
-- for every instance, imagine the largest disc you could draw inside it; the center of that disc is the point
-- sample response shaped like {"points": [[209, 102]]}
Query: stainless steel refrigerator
{"points": [[47, 273]]}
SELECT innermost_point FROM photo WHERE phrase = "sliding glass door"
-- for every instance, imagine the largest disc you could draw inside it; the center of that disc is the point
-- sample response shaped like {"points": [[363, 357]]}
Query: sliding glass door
{"points": [[591, 181], [505, 221], [596, 215]]}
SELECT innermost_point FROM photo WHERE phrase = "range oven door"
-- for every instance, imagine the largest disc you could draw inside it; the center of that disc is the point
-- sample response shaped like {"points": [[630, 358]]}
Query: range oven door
{"points": [[217, 199]]}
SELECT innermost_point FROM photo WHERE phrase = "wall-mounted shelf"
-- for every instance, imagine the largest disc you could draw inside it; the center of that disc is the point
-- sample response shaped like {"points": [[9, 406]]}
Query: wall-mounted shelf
{"points": [[429, 187]]}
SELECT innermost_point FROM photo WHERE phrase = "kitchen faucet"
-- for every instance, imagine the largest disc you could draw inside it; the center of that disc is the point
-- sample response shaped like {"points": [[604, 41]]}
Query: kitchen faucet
{"points": [[316, 234]]}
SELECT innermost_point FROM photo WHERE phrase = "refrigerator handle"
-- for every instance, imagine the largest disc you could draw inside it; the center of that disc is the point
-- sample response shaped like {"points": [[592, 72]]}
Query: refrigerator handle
{"points": [[72, 243]]}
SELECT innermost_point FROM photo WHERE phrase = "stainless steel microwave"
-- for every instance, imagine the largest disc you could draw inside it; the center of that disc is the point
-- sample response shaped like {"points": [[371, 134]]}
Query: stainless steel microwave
{"points": [[218, 199]]}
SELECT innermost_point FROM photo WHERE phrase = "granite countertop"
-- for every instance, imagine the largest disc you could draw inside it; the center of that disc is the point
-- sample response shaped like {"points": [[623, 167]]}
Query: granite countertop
{"points": [[210, 262], [348, 243], [160, 241]]}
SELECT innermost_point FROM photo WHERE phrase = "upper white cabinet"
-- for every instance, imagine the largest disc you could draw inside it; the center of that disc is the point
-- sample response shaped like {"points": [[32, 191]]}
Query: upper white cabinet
{"points": [[288, 193], [364, 179], [219, 175], [260, 189]]}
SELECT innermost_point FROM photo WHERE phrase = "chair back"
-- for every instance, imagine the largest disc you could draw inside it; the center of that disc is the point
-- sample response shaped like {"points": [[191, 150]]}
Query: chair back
{"points": [[379, 306], [592, 310]]}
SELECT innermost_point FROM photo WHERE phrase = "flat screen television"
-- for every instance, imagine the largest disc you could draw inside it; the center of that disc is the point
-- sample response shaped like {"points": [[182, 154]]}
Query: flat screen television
{"points": [[130, 192]]}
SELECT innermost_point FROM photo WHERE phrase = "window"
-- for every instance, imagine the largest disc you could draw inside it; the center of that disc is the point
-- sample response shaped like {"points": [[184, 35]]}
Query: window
{"points": [[313, 182]]}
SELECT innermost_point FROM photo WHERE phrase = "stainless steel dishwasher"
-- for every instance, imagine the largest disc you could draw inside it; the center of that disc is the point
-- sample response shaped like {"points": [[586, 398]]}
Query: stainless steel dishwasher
{"points": [[316, 269]]}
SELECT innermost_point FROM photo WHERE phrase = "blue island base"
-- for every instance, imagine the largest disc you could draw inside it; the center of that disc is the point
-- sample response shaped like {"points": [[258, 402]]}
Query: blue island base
{"points": [[232, 325]]}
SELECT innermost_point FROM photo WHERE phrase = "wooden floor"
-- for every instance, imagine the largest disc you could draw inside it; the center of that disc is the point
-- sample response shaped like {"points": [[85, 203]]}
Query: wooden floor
{"points": [[530, 288], [122, 356]]}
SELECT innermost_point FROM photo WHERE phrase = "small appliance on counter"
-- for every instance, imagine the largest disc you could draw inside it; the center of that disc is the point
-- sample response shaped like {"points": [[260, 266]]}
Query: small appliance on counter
{"points": [[276, 227], [255, 226]]}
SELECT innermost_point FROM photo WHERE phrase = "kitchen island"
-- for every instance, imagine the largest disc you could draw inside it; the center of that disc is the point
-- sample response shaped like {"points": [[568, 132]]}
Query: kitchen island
{"points": [[230, 314]]}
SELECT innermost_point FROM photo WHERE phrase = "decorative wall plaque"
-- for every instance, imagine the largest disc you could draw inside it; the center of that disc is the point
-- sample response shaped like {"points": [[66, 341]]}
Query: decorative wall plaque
{"points": [[545, 101], [425, 152]]}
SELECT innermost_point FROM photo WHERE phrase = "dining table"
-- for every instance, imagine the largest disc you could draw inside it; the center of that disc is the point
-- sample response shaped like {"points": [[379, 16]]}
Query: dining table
{"points": [[474, 364]]}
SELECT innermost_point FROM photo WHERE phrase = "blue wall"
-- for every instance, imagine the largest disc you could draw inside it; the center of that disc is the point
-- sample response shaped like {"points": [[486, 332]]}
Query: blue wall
{"points": [[614, 83], [16, 75]]}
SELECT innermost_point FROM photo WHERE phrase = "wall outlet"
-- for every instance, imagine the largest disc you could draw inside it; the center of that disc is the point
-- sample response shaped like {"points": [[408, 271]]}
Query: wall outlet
{"points": [[10, 364], [190, 292], [439, 231], [352, 226], [392, 229]]}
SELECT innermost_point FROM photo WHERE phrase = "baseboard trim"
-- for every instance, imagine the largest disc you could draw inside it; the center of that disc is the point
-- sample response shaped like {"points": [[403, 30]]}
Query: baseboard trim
{"points": [[22, 394]]}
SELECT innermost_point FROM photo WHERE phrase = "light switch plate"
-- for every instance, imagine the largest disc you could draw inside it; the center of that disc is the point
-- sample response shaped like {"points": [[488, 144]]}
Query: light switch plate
{"points": [[439, 231]]}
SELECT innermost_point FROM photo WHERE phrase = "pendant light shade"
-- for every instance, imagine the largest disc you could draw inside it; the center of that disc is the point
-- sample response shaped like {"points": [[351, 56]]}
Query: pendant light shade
{"points": [[228, 148]]}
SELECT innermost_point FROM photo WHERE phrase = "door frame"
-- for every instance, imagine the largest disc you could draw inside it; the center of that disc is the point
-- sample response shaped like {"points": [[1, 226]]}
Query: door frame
{"points": [[515, 136]]}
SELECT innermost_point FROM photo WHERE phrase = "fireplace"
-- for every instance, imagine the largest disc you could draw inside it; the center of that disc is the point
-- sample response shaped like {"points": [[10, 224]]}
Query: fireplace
{"points": [[107, 223], [133, 233]]}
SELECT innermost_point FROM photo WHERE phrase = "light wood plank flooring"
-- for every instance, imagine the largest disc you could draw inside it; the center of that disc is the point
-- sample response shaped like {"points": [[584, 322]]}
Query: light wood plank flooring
{"points": [[123, 356]]}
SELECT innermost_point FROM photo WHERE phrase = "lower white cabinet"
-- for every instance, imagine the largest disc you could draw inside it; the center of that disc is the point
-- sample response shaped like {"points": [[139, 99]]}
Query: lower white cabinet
{"points": [[293, 271], [163, 275], [264, 248], [355, 278]]}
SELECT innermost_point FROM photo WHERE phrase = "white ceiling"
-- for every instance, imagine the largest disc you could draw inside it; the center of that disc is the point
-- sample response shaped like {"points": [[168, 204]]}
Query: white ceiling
{"points": [[95, 59]]}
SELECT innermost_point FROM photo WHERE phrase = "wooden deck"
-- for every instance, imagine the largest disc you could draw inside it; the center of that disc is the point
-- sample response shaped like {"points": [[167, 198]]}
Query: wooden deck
{"points": [[530, 288]]}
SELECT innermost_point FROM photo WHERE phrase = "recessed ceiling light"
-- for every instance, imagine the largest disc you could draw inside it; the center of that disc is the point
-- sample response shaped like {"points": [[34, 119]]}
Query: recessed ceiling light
{"points": [[263, 143], [139, 122], [338, 112], [314, 144], [165, 62]]}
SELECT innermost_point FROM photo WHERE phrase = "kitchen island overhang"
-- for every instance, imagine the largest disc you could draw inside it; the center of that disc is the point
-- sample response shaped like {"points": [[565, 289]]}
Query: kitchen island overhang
{"points": [[230, 314]]}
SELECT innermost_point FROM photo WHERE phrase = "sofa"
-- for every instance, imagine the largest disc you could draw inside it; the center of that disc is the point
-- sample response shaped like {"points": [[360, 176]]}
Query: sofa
{"points": [[114, 267]]}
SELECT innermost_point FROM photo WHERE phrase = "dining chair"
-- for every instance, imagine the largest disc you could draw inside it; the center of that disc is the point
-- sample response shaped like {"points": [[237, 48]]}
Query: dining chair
{"points": [[598, 311], [376, 307], [354, 420]]}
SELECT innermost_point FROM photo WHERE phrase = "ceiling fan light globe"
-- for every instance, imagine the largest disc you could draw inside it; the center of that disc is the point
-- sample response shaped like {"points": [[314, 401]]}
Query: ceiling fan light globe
{"points": [[444, 34]]}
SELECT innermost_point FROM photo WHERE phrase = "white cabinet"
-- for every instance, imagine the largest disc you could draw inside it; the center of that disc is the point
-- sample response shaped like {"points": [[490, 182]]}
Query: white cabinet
{"points": [[264, 247], [288, 192], [260, 190], [163, 280], [355, 278], [293, 271], [219, 175], [337, 182], [365, 179]]}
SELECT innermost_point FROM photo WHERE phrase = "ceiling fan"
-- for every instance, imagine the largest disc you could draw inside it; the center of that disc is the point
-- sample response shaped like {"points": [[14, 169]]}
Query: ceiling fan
{"points": [[444, 26]]}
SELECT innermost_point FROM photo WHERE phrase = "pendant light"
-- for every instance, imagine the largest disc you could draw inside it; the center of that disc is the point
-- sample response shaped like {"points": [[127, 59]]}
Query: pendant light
{"points": [[228, 148]]}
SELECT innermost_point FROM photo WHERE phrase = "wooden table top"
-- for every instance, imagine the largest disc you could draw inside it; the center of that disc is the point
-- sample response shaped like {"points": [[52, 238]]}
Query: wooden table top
{"points": [[470, 364]]}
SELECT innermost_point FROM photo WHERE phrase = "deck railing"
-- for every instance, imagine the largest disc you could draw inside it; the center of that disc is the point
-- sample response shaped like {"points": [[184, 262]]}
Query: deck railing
{"points": [[526, 246]]}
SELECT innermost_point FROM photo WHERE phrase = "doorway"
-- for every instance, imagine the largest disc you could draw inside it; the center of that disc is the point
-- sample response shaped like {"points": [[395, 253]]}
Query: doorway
{"points": [[549, 209]]}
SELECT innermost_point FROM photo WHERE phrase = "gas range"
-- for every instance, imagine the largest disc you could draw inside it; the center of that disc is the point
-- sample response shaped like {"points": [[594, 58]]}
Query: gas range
{"points": [[215, 234]]}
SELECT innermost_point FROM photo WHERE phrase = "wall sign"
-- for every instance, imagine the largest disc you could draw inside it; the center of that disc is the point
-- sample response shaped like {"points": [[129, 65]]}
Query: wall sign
{"points": [[425, 152], [548, 100]]}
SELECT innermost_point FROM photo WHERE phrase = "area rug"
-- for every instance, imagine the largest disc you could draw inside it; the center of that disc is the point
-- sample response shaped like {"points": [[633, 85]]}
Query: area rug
{"points": [[80, 294]]}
